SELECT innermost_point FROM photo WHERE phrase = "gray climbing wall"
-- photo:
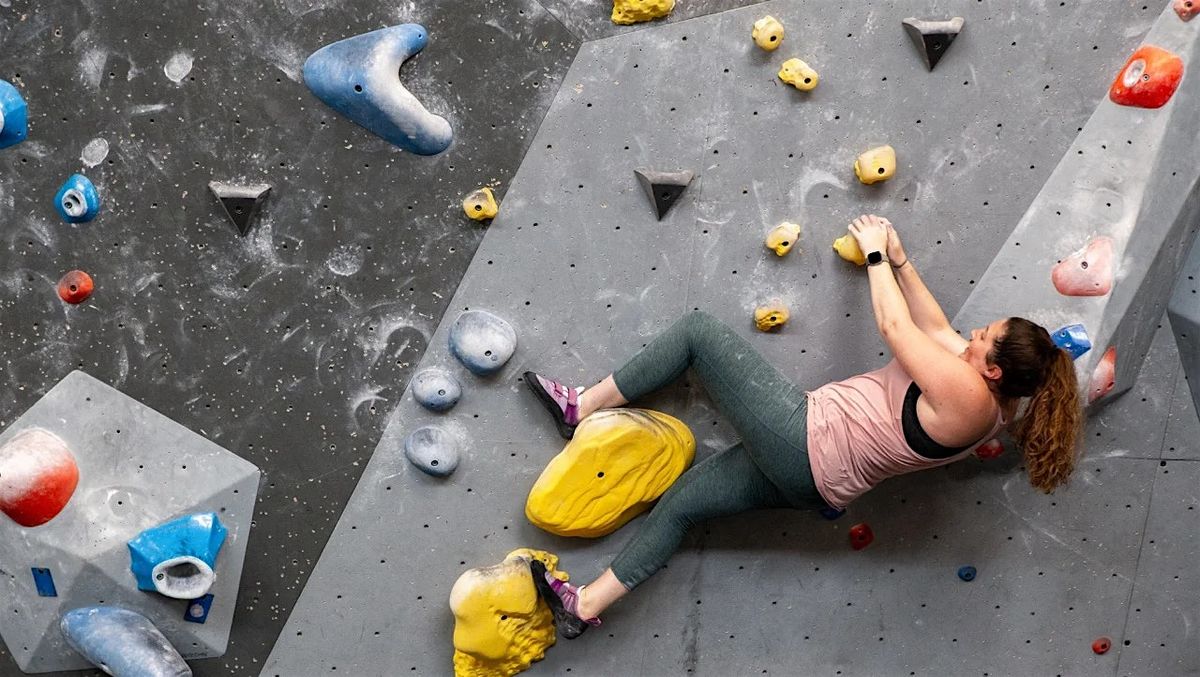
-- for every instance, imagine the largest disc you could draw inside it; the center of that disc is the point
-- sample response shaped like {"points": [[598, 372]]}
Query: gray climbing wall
{"points": [[290, 346], [781, 592], [1128, 178]]}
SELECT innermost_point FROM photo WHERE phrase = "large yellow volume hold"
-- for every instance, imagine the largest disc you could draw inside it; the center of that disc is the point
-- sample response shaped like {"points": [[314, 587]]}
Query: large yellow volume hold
{"points": [[634, 11], [799, 75], [847, 248], [500, 624], [877, 164], [618, 463]]}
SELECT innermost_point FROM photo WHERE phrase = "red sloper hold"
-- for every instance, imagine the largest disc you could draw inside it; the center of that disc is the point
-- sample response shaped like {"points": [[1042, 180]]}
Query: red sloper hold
{"points": [[75, 287], [1186, 9], [1088, 272], [1103, 376], [861, 536], [993, 448], [38, 475], [1101, 645], [1148, 79]]}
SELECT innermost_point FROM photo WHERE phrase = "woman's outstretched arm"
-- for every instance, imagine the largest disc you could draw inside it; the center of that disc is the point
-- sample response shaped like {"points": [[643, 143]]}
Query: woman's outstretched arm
{"points": [[926, 313]]}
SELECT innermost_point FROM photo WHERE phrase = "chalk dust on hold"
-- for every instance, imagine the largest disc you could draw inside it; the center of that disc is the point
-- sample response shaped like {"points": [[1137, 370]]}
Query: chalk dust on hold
{"points": [[346, 260], [178, 66], [94, 152]]}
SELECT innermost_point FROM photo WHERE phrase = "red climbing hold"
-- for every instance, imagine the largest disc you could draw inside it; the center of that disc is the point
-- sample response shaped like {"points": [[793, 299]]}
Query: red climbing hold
{"points": [[1101, 645], [1104, 376], [993, 448], [75, 287], [861, 536], [38, 475], [1148, 79], [1186, 9], [1088, 272]]}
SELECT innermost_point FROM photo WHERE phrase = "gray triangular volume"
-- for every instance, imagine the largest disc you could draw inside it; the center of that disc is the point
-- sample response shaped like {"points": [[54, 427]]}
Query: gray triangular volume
{"points": [[663, 188], [241, 202], [933, 38]]}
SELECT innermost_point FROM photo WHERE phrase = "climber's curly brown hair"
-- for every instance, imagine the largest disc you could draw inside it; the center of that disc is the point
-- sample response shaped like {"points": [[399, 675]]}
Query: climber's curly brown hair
{"points": [[1031, 365]]}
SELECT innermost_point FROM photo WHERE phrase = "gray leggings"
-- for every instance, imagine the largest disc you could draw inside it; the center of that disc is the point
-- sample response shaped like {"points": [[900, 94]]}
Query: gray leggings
{"points": [[768, 469]]}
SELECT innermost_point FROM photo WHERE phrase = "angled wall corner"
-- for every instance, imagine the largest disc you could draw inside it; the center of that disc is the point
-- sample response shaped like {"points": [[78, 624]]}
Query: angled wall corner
{"points": [[1129, 178], [1184, 312]]}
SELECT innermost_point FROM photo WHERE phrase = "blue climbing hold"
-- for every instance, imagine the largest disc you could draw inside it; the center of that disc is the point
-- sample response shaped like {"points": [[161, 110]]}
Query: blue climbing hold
{"points": [[77, 201], [436, 389], [967, 573], [359, 77], [831, 513], [482, 341], [122, 642], [197, 609], [14, 116], [43, 580], [1073, 339], [177, 558], [433, 450]]}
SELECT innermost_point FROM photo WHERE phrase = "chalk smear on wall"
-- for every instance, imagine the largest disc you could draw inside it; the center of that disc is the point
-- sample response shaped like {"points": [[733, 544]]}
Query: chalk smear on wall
{"points": [[94, 152]]}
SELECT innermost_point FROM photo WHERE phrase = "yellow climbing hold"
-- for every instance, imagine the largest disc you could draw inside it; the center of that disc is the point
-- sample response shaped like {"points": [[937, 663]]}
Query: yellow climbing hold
{"points": [[770, 316], [847, 248], [799, 75], [877, 164], [767, 33], [501, 626], [480, 204], [634, 11], [783, 237], [618, 463]]}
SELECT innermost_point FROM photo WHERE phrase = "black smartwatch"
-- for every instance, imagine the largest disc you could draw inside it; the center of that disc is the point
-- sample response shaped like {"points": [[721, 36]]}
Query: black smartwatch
{"points": [[875, 258]]}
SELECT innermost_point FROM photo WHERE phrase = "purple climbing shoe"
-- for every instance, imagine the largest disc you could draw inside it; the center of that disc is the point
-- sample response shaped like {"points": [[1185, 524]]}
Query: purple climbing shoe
{"points": [[563, 600], [561, 401]]}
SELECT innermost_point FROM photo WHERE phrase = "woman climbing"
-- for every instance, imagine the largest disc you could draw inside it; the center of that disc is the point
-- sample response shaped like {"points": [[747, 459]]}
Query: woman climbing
{"points": [[934, 403]]}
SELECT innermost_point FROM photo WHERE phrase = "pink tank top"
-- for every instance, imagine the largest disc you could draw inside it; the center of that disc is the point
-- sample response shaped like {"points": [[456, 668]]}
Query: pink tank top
{"points": [[856, 434]]}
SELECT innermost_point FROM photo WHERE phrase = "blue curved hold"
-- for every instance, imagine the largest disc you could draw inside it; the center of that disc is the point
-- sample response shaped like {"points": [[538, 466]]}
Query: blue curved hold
{"points": [[359, 77], [433, 450], [178, 558], [1073, 339], [436, 389], [482, 341], [831, 513], [967, 573], [122, 642], [14, 116], [77, 201]]}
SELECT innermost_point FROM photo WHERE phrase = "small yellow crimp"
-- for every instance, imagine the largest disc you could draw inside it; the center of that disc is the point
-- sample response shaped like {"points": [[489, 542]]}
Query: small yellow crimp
{"points": [[770, 316], [847, 248], [877, 164], [768, 33], [635, 11], [480, 204], [799, 75], [783, 237]]}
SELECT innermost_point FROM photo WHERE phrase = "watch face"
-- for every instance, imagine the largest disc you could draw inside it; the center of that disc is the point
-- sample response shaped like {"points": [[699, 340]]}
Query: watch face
{"points": [[874, 257]]}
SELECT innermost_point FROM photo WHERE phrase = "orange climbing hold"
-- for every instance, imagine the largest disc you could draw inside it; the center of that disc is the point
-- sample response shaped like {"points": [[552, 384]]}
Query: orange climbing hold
{"points": [[75, 287], [1104, 376], [1148, 79], [1088, 272]]}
